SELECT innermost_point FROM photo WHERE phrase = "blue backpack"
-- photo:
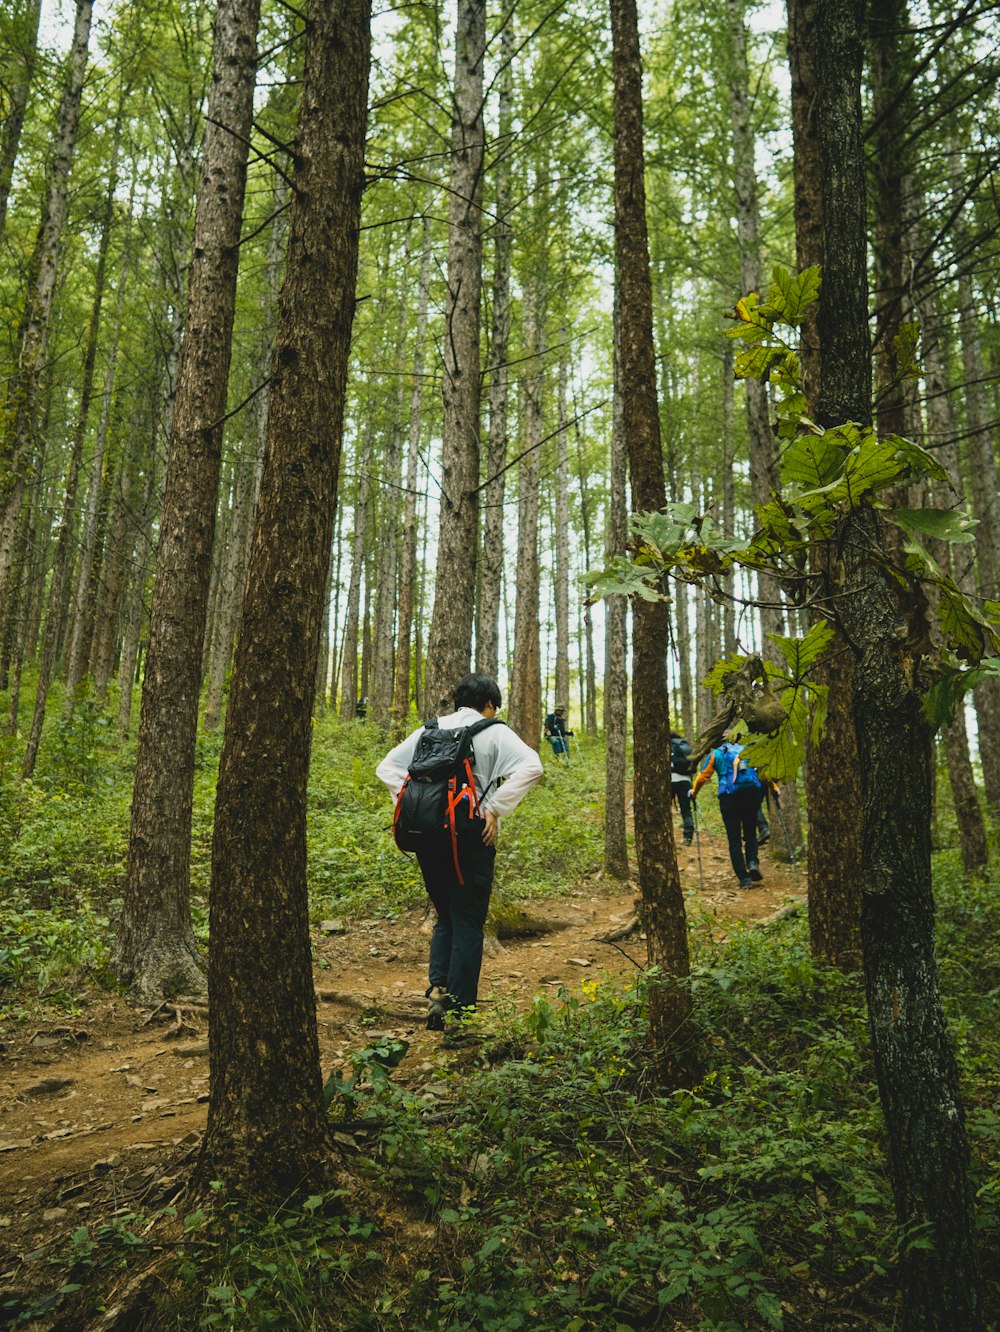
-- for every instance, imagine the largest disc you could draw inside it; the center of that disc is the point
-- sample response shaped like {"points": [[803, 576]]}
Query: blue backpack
{"points": [[733, 773]]}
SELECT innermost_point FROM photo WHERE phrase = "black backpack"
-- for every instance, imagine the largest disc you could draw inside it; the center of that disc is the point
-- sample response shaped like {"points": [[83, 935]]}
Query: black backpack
{"points": [[680, 757], [438, 797]]}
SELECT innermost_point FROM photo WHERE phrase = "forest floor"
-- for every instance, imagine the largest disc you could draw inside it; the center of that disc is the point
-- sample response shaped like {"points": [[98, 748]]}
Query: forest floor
{"points": [[102, 1110]]}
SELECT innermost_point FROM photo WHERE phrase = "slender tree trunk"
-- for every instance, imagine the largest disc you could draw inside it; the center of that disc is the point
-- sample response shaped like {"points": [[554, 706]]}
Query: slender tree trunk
{"points": [[20, 420], [61, 568], [940, 437], [616, 639], [450, 645], [408, 565], [659, 880], [352, 616], [19, 88], [386, 559], [488, 609], [833, 786], [526, 678], [914, 1063], [268, 1133], [561, 587], [135, 608], [156, 953]]}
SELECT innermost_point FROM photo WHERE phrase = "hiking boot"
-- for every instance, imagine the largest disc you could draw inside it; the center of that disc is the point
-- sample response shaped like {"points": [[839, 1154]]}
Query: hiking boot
{"points": [[746, 881], [753, 869], [688, 839], [437, 1007], [763, 836]]}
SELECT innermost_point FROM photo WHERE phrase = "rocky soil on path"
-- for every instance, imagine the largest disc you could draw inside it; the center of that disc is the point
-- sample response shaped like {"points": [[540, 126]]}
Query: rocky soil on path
{"points": [[101, 1113]]}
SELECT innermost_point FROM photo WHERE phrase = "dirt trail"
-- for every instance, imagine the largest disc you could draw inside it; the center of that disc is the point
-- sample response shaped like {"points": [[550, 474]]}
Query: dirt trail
{"points": [[100, 1113]]}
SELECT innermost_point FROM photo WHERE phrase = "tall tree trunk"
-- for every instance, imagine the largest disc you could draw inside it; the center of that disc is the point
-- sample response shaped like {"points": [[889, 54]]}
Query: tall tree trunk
{"points": [[914, 1063], [352, 616], [61, 567], [248, 477], [561, 575], [833, 780], [135, 607], [491, 567], [408, 564], [156, 953], [940, 437], [20, 417], [589, 665], [525, 711], [450, 644], [19, 88], [981, 467], [616, 636], [386, 559], [659, 880], [268, 1133]]}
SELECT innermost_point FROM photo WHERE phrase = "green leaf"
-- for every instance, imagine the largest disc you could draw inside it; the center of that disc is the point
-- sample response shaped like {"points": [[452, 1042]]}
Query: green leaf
{"points": [[756, 362], [790, 296], [622, 577], [813, 460], [939, 524], [918, 460], [954, 682], [966, 630], [803, 653]]}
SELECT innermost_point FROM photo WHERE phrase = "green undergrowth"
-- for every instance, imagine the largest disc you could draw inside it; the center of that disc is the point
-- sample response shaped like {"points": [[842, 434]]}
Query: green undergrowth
{"points": [[543, 1181]]}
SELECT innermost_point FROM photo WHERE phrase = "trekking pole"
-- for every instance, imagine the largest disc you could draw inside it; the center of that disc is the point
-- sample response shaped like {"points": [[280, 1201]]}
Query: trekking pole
{"points": [[697, 845], [576, 742], [788, 840]]}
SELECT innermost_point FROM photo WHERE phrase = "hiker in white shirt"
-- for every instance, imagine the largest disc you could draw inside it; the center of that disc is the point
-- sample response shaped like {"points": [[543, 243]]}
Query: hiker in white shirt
{"points": [[458, 874]]}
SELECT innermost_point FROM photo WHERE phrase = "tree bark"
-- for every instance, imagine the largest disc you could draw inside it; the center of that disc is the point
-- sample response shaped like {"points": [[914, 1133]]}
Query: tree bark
{"points": [[268, 1133], [491, 567], [450, 644], [408, 562], [833, 782], [914, 1064], [561, 574], [156, 954], [616, 639], [525, 710], [352, 614], [659, 880]]}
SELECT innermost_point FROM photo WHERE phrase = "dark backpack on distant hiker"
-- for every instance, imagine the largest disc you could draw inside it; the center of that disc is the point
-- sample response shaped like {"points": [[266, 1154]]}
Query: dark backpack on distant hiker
{"points": [[438, 798], [680, 757], [733, 772]]}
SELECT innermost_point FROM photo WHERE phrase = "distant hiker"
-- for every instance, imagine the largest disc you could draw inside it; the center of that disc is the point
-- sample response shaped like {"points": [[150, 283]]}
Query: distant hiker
{"points": [[680, 782], [475, 753], [361, 709], [556, 732], [740, 792]]}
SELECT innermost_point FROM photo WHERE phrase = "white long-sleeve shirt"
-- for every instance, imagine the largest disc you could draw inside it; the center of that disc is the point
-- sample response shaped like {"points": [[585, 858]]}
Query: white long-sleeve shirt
{"points": [[499, 753]]}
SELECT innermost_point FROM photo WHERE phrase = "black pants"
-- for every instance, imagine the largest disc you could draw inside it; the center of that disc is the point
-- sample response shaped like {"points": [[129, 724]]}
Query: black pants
{"points": [[682, 790], [456, 954], [739, 815]]}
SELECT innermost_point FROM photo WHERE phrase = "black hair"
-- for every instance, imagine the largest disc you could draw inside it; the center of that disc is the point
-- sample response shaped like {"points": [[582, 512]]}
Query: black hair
{"points": [[475, 691]]}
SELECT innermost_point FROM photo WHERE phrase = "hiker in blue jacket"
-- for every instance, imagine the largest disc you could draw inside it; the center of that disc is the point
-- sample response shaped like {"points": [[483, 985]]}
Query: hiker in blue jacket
{"points": [[740, 793]]}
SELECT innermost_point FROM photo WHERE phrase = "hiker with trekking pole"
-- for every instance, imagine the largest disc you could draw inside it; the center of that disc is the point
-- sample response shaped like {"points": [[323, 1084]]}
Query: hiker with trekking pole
{"points": [[556, 732], [680, 783], [446, 781], [740, 793]]}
